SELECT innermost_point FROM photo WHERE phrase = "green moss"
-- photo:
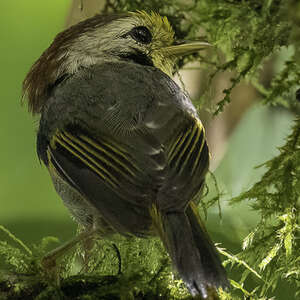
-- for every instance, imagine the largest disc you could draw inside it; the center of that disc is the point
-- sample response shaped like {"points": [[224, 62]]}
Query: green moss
{"points": [[273, 246], [118, 268]]}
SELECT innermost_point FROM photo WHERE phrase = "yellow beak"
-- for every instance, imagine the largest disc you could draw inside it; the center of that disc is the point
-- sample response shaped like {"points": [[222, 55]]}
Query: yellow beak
{"points": [[186, 48]]}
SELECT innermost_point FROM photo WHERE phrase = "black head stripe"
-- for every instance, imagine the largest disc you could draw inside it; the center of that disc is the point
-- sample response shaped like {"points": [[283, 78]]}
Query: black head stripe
{"points": [[139, 58]]}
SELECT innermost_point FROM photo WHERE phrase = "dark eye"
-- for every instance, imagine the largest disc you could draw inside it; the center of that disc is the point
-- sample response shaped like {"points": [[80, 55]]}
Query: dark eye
{"points": [[141, 34]]}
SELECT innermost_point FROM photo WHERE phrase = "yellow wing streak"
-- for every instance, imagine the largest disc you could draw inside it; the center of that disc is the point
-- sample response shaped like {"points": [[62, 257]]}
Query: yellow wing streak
{"points": [[96, 154], [174, 145], [66, 144], [199, 153], [190, 139], [71, 142], [193, 146], [177, 145], [115, 150], [187, 145]]}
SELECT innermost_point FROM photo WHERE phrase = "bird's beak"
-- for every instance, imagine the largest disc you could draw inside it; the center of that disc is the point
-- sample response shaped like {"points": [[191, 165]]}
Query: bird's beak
{"points": [[185, 48]]}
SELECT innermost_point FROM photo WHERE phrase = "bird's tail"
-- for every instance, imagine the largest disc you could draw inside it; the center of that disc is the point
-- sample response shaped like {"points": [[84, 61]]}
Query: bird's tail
{"points": [[193, 254]]}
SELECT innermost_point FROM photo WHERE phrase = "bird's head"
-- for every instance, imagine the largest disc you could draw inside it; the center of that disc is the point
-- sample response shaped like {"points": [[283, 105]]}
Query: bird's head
{"points": [[140, 37]]}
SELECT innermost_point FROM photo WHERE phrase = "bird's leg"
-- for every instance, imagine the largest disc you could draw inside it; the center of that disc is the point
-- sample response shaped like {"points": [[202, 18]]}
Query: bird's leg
{"points": [[87, 246], [49, 261]]}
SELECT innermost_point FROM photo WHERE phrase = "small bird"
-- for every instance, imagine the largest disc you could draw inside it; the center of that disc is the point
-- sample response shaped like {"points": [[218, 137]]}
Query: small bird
{"points": [[123, 144]]}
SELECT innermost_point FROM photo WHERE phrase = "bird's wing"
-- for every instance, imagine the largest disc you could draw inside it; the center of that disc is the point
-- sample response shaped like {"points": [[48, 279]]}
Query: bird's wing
{"points": [[119, 182], [188, 152], [187, 159]]}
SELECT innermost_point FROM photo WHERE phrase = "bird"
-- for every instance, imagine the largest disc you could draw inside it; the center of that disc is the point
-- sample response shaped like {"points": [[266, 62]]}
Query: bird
{"points": [[123, 143]]}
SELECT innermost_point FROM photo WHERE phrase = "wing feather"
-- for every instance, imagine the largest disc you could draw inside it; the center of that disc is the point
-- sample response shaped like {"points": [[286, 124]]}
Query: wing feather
{"points": [[117, 166], [188, 159], [70, 144], [186, 149]]}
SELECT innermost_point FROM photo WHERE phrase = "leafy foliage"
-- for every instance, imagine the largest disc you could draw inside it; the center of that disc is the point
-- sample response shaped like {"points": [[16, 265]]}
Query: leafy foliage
{"points": [[247, 32], [273, 246]]}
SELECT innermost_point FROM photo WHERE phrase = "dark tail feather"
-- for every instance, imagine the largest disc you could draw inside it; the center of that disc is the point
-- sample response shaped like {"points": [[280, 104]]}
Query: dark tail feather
{"points": [[193, 254]]}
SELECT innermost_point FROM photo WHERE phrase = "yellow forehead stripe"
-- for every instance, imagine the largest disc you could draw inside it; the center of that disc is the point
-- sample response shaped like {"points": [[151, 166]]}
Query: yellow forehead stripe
{"points": [[155, 21]]}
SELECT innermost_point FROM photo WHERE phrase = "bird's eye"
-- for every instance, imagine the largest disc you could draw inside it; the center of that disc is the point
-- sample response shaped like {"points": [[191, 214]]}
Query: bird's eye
{"points": [[141, 34]]}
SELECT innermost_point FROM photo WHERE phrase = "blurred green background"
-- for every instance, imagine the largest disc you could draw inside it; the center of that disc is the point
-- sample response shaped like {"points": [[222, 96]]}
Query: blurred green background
{"points": [[29, 206]]}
